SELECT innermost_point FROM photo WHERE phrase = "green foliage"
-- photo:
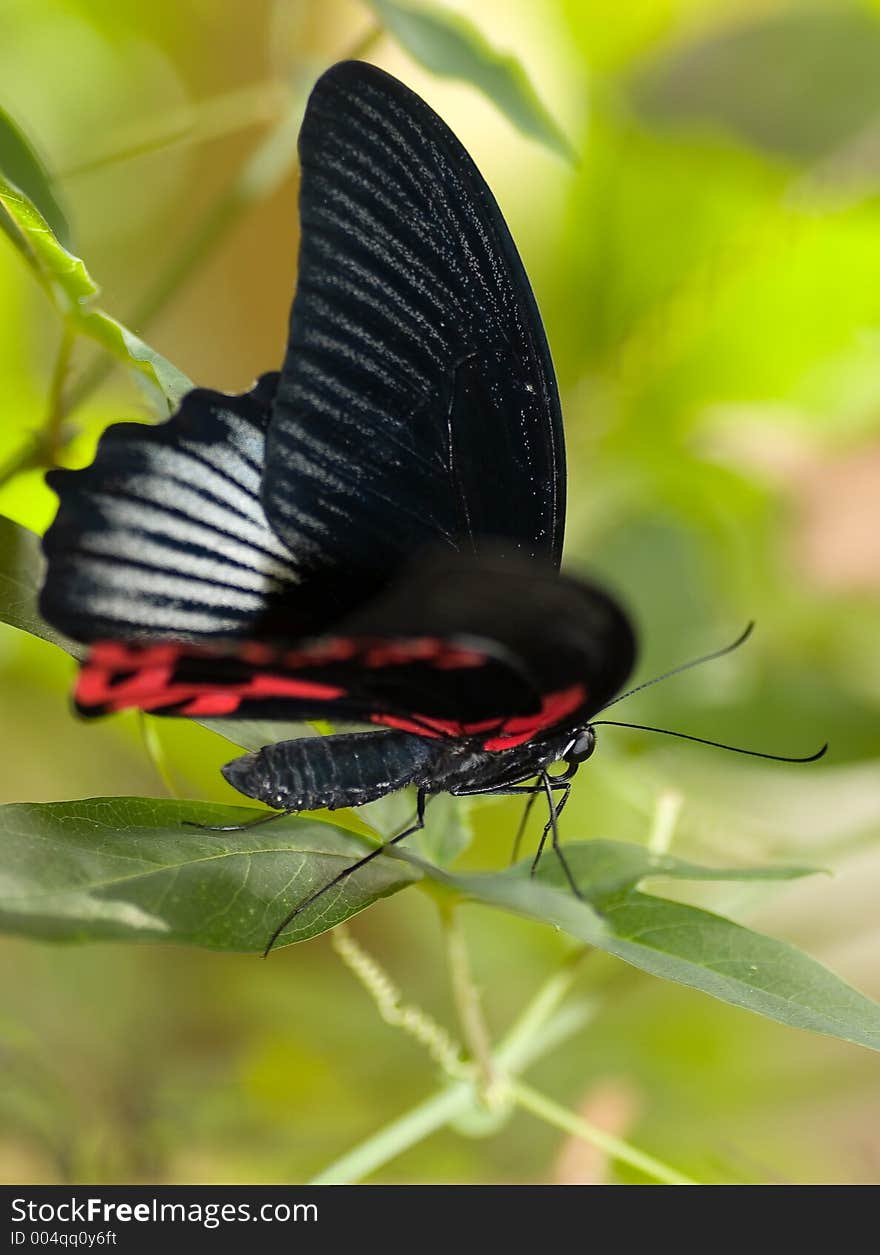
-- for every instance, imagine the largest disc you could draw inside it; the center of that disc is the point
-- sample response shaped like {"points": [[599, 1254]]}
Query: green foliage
{"points": [[72, 290], [21, 574], [448, 44], [763, 80], [63, 274], [131, 868], [22, 166], [149, 878], [680, 942]]}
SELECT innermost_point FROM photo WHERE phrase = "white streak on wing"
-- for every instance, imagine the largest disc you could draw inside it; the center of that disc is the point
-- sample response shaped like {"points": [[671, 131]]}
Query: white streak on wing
{"points": [[171, 494], [142, 517], [249, 440], [138, 549], [175, 469], [150, 616], [239, 458], [137, 581], [229, 464]]}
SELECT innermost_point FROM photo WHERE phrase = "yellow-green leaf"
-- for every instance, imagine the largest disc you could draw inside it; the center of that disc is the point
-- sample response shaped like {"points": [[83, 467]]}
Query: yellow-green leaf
{"points": [[73, 290], [21, 164]]}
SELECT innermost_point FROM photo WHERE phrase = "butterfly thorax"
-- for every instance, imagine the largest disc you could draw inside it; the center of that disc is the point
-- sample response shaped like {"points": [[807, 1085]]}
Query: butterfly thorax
{"points": [[465, 767]]}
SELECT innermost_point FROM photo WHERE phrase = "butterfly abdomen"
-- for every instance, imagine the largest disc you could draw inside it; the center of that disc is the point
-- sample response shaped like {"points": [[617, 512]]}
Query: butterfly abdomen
{"points": [[331, 772]]}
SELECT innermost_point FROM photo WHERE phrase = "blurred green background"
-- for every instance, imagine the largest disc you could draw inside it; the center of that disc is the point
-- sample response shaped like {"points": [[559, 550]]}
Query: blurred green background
{"points": [[709, 273]]}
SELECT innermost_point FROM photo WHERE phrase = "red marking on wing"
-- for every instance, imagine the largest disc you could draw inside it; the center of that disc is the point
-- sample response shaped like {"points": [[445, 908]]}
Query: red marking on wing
{"points": [[398, 653], [117, 677], [427, 649], [114, 655], [453, 659], [508, 732], [554, 708], [211, 700], [333, 649], [257, 653], [213, 705], [377, 652], [409, 725]]}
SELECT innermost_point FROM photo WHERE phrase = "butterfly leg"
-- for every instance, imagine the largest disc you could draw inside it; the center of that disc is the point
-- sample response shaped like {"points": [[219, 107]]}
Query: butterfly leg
{"points": [[421, 803], [551, 828], [517, 840], [548, 785], [245, 827]]}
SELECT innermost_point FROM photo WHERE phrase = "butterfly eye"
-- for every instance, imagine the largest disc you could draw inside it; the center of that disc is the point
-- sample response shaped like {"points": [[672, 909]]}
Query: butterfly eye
{"points": [[581, 747]]}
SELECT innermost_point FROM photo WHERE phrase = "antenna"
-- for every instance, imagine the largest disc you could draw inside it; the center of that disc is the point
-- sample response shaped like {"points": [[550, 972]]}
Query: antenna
{"points": [[685, 666], [734, 749]]}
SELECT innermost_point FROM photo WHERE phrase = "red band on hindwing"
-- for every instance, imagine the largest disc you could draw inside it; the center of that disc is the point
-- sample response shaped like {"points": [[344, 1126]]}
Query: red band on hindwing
{"points": [[555, 707], [508, 732], [117, 676]]}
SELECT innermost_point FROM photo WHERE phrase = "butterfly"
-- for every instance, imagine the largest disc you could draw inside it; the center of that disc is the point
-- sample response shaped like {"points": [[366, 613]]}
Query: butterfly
{"points": [[372, 535]]}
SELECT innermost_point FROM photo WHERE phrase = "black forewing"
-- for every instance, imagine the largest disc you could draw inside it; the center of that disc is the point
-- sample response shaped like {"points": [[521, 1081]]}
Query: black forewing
{"points": [[417, 403]]}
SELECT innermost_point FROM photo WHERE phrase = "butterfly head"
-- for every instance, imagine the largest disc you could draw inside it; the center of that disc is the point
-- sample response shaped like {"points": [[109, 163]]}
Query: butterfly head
{"points": [[580, 747]]}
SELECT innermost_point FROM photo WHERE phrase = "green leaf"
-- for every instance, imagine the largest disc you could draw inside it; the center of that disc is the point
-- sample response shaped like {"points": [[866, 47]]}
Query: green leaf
{"points": [[447, 831], [130, 869], [21, 574], [607, 869], [172, 383], [60, 271], [804, 83], [449, 45], [72, 289], [22, 166], [391, 814], [695, 947], [677, 942]]}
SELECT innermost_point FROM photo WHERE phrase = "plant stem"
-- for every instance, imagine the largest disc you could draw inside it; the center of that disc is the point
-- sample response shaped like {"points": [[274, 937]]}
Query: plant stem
{"points": [[532, 1021], [576, 1126], [213, 118], [467, 1003], [26, 457], [400, 1135], [450, 1103], [156, 753], [415, 1022], [666, 813], [40, 448], [541, 1027], [51, 433]]}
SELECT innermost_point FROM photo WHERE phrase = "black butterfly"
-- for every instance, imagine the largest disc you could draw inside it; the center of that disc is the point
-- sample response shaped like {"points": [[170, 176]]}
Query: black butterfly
{"points": [[375, 533]]}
